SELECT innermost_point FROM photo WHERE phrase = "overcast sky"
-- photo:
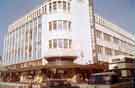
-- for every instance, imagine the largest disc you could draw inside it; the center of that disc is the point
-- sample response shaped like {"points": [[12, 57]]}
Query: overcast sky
{"points": [[120, 12]]}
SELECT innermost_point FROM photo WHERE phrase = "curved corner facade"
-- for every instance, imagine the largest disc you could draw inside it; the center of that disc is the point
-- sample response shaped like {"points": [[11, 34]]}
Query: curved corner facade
{"points": [[62, 28], [57, 28]]}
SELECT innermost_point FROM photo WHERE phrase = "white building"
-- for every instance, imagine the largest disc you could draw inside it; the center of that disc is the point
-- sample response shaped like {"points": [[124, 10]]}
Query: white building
{"points": [[111, 40], [59, 28]]}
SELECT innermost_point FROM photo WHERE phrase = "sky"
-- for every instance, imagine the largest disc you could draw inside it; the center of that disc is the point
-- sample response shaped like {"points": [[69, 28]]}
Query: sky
{"points": [[120, 12]]}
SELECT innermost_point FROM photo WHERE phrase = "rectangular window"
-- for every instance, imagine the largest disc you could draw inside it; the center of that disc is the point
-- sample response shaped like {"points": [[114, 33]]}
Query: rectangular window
{"points": [[69, 7], [108, 51], [59, 5], [50, 26], [54, 6], [98, 34], [54, 25], [60, 43], [115, 40], [50, 7], [65, 43], [117, 52], [107, 37], [64, 5], [44, 9], [50, 43], [99, 49], [64, 25], [70, 42], [59, 25], [69, 26], [54, 43]]}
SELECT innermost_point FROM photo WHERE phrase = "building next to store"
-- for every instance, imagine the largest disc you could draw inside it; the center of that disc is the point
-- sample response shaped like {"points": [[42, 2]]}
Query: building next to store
{"points": [[64, 29]]}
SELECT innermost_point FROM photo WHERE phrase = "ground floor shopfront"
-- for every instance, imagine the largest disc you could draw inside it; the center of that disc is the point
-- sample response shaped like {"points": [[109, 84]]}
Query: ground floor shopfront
{"points": [[39, 72]]}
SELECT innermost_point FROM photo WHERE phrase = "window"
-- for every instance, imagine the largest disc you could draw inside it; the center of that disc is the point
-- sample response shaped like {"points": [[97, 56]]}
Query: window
{"points": [[115, 40], [44, 9], [54, 6], [60, 43], [69, 7], [69, 26], [99, 49], [50, 43], [108, 51], [39, 22], [50, 26], [107, 37], [117, 52], [70, 42], [50, 7], [98, 34], [57, 6], [54, 25], [55, 43], [60, 25], [65, 43], [64, 5], [65, 25]]}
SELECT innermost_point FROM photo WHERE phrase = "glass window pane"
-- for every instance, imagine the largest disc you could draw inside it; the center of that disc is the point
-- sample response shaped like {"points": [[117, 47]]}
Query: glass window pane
{"points": [[54, 6], [64, 5], [54, 25], [50, 26], [50, 43], [69, 26], [50, 7], [70, 42], [60, 42], [54, 43], [59, 25], [64, 25], [65, 43]]}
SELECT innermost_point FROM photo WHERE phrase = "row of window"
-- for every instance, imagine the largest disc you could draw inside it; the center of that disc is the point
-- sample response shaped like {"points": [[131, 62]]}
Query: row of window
{"points": [[60, 43], [60, 25], [22, 42], [59, 6], [109, 38], [56, 6], [108, 51]]}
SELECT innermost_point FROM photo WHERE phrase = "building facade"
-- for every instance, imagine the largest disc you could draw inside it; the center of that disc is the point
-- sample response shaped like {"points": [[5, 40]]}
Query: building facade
{"points": [[59, 28], [111, 40]]}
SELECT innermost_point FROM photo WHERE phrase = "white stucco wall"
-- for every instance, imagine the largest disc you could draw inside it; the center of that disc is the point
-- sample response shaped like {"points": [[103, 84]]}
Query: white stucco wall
{"points": [[80, 31]]}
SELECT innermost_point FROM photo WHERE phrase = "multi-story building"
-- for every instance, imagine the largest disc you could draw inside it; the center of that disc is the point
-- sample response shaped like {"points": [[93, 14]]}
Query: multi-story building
{"points": [[64, 28], [111, 40]]}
